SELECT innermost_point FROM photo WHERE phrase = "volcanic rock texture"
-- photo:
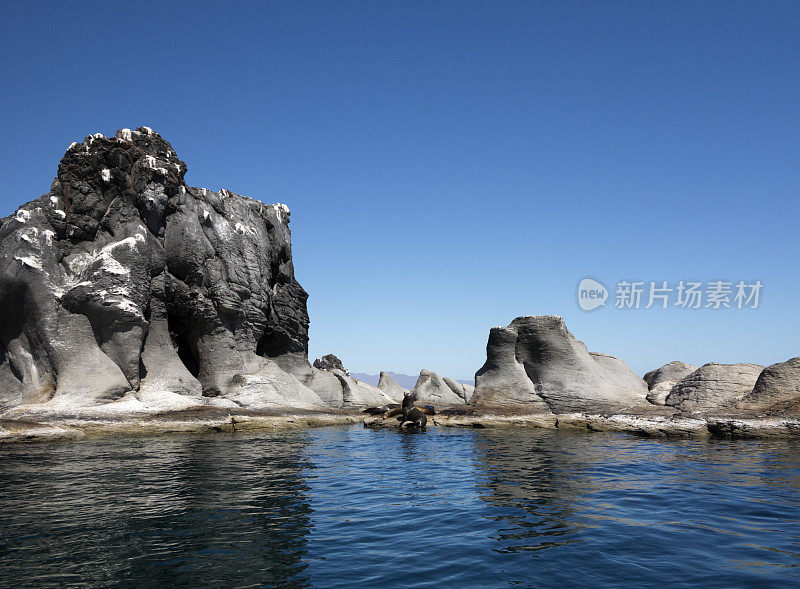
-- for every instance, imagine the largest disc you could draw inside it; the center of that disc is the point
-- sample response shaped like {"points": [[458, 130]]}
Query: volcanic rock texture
{"points": [[125, 288]]}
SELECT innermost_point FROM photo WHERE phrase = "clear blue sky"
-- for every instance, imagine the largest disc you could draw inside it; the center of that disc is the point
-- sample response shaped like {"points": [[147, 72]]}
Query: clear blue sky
{"points": [[452, 165]]}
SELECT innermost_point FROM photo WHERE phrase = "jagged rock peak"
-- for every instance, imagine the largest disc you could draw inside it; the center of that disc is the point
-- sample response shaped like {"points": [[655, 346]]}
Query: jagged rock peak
{"points": [[124, 281], [330, 362]]}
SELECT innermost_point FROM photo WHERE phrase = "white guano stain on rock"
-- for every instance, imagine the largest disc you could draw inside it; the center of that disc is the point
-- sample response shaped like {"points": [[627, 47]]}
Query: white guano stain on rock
{"points": [[280, 210], [31, 261]]}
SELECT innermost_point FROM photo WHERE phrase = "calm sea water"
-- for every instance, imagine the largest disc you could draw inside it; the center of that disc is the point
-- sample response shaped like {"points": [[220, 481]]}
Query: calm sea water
{"points": [[347, 506]]}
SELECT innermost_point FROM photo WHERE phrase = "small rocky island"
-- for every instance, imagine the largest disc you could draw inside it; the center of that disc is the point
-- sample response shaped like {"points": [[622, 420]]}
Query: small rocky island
{"points": [[134, 302]]}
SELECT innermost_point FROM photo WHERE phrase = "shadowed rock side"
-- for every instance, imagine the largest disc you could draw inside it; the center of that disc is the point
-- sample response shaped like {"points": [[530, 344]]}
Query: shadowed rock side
{"points": [[537, 363], [713, 386], [661, 380], [777, 390], [125, 288], [502, 380], [432, 389], [390, 387]]}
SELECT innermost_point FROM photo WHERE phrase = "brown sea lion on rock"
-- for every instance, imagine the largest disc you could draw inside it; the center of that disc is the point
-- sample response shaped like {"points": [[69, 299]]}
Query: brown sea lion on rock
{"points": [[393, 409], [383, 409], [426, 409], [412, 416], [398, 411]]}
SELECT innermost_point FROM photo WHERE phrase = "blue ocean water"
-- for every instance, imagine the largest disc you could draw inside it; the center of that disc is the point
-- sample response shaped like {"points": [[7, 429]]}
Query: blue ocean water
{"points": [[349, 506]]}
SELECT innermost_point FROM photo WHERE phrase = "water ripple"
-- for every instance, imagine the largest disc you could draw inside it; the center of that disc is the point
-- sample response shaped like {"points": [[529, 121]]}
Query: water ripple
{"points": [[347, 506]]}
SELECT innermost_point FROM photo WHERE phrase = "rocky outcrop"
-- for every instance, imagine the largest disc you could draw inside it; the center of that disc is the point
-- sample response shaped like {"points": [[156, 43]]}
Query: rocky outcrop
{"points": [[431, 389], [502, 380], [713, 386], [463, 391], [777, 390], [661, 380], [390, 387], [335, 387], [125, 288], [537, 363], [330, 362]]}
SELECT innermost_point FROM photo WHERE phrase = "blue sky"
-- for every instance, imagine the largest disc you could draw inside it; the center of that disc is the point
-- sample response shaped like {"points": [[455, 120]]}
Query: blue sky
{"points": [[452, 165]]}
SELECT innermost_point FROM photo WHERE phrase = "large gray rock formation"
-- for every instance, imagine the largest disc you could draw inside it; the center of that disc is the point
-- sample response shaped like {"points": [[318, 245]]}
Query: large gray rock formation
{"points": [[713, 386], [390, 387], [124, 287], [463, 391], [777, 390], [661, 380], [503, 380], [432, 389], [538, 364]]}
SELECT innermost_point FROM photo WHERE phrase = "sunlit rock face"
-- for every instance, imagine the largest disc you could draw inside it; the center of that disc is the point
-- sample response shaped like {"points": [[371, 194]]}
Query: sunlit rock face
{"points": [[713, 386], [661, 380], [535, 363], [432, 389], [387, 384], [124, 285], [777, 390], [333, 385], [462, 391]]}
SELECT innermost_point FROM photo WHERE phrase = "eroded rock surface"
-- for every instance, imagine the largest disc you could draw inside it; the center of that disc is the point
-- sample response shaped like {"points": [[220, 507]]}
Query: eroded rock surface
{"points": [[335, 387], [432, 389], [464, 391], [538, 363], [125, 288], [713, 386], [777, 390], [390, 387], [661, 380]]}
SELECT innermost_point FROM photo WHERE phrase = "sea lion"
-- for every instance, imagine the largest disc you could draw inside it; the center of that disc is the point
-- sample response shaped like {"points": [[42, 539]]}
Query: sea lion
{"points": [[394, 411], [412, 416], [427, 409], [375, 410], [382, 409]]}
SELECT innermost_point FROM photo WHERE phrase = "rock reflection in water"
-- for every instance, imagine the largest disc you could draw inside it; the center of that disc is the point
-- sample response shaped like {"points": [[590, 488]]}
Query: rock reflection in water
{"points": [[187, 511], [716, 513], [529, 483], [349, 506]]}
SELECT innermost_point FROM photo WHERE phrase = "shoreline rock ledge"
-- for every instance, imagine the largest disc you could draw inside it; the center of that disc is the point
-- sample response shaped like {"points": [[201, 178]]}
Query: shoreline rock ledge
{"points": [[127, 292]]}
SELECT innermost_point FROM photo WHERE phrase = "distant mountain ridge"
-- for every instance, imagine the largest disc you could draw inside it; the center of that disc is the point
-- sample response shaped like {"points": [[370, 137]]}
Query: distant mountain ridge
{"points": [[406, 381]]}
